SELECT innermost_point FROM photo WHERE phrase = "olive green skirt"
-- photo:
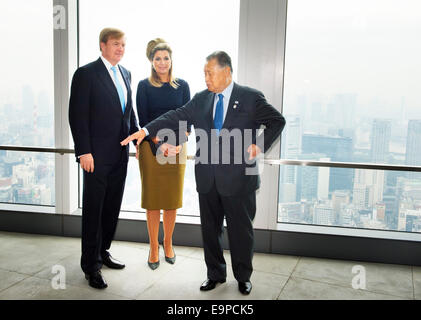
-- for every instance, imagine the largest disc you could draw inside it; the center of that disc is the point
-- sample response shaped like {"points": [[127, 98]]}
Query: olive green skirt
{"points": [[162, 178]]}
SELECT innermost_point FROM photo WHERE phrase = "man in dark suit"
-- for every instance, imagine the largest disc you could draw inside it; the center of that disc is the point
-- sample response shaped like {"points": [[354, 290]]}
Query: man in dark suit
{"points": [[100, 115], [223, 117]]}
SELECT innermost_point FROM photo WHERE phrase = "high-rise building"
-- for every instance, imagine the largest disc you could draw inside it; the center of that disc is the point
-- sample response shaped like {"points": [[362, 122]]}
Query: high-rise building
{"points": [[413, 147], [380, 139], [289, 212], [359, 196], [391, 213], [287, 192], [312, 182], [5, 189], [323, 213], [323, 181], [337, 149], [413, 221], [291, 142], [340, 198], [368, 188], [380, 211], [291, 148], [23, 175], [308, 183], [346, 215]]}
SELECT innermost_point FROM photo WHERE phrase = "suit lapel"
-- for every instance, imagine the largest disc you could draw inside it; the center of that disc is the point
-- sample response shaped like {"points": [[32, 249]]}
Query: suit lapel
{"points": [[106, 80]]}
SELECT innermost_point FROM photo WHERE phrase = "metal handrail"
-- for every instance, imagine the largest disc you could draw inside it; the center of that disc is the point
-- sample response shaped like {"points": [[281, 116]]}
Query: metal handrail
{"points": [[37, 149], [345, 165]]}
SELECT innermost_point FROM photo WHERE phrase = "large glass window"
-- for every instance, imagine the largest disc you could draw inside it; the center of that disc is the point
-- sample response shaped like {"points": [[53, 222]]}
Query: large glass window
{"points": [[351, 95], [27, 101], [193, 28]]}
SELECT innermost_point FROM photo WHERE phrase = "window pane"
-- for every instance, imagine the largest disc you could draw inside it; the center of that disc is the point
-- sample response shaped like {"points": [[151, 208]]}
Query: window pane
{"points": [[351, 95], [191, 29], [27, 82], [27, 101], [373, 199], [352, 72], [27, 178]]}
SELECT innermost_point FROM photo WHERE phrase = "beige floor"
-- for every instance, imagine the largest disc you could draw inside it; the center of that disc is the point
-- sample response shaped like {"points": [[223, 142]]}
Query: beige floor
{"points": [[27, 263]]}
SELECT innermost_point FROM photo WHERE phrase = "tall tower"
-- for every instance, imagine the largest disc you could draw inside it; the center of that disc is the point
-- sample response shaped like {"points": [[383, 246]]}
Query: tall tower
{"points": [[291, 146], [413, 143], [380, 139], [290, 149], [35, 119], [368, 188]]}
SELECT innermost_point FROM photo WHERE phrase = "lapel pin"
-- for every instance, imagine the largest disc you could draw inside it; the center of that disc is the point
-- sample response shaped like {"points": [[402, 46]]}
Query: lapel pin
{"points": [[235, 104]]}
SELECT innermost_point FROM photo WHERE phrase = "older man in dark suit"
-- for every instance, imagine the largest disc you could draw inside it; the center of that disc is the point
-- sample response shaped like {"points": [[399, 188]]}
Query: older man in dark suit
{"points": [[224, 116], [100, 115]]}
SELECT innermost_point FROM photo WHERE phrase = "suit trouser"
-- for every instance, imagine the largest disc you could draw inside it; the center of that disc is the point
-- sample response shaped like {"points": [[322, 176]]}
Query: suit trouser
{"points": [[239, 212], [102, 196]]}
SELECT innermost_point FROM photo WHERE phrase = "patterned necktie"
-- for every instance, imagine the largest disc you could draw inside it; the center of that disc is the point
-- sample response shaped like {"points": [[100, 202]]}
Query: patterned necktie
{"points": [[219, 113], [119, 89]]}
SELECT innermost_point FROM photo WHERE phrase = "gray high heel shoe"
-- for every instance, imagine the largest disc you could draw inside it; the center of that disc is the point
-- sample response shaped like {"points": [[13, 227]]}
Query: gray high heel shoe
{"points": [[153, 265], [168, 259]]}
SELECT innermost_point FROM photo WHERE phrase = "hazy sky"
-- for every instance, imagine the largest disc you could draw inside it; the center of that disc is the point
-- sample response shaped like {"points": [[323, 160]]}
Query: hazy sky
{"points": [[27, 46], [368, 47], [193, 28]]}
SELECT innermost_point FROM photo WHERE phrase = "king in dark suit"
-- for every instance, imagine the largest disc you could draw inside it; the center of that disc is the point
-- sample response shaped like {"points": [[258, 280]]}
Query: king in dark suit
{"points": [[226, 118], [100, 115]]}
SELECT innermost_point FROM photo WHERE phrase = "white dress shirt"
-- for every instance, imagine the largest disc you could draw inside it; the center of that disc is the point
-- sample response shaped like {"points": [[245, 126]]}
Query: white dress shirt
{"points": [[108, 65]]}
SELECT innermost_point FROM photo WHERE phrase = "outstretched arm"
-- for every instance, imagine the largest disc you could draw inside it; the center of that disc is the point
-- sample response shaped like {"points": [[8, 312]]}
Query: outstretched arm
{"points": [[139, 136], [169, 120]]}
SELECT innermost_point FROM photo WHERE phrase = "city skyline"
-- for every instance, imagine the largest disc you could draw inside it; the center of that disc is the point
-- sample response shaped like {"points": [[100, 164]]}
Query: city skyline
{"points": [[375, 199]]}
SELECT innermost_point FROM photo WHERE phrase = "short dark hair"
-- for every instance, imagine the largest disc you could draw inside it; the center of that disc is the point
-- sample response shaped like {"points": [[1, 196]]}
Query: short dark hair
{"points": [[222, 58]]}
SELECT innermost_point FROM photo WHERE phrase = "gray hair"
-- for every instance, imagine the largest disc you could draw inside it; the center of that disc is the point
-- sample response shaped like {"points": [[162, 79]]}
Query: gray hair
{"points": [[222, 58]]}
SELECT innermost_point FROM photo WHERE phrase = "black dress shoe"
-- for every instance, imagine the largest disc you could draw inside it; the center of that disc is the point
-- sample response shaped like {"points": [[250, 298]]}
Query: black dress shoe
{"points": [[112, 263], [168, 259], [210, 284], [152, 265], [245, 287], [96, 280]]}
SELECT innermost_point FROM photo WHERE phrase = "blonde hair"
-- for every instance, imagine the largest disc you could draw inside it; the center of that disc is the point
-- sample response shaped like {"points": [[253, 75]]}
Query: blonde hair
{"points": [[108, 33], [152, 47]]}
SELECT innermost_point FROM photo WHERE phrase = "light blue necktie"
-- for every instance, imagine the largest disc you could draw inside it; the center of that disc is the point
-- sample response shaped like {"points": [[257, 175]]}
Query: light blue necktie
{"points": [[119, 89], [219, 113]]}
